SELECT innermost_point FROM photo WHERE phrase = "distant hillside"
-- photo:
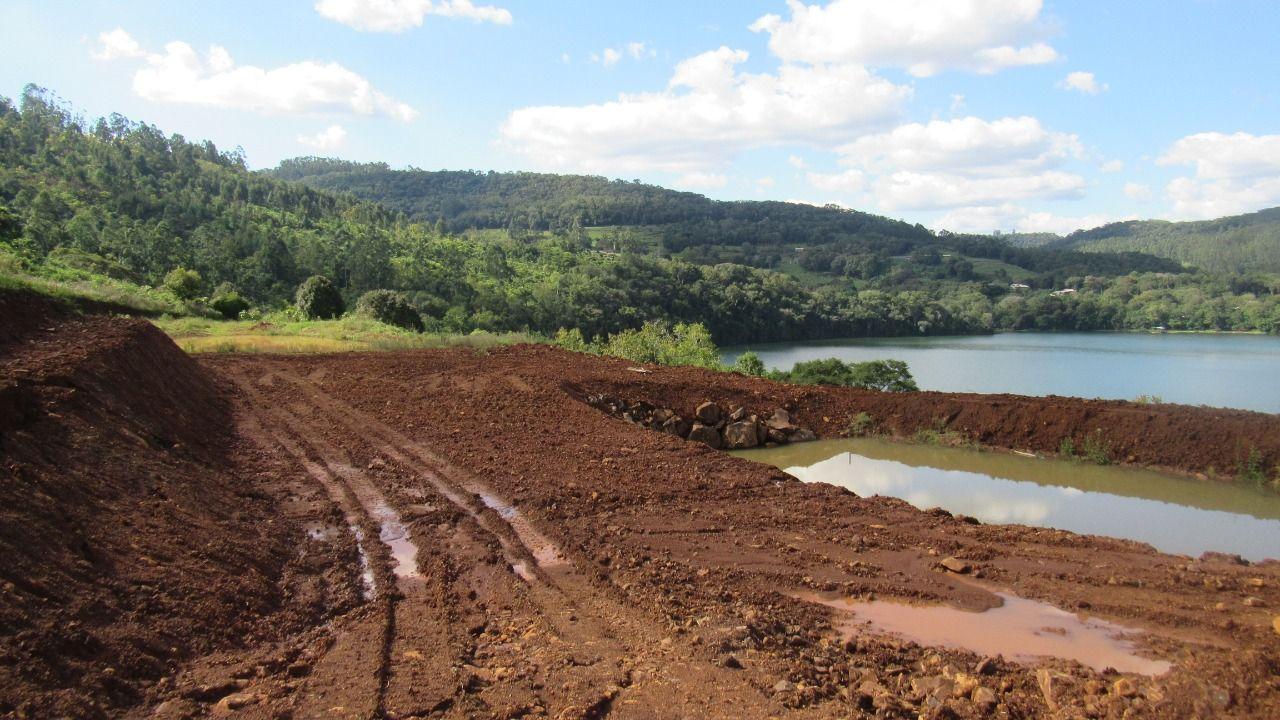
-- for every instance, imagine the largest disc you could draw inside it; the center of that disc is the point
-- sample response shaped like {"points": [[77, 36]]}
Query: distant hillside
{"points": [[764, 234], [1236, 244]]}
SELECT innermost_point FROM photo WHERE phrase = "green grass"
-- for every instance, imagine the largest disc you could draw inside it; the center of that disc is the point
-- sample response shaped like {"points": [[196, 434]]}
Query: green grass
{"points": [[281, 333], [97, 289]]}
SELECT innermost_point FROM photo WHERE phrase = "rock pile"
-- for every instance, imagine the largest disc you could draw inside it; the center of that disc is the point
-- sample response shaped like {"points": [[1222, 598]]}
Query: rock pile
{"points": [[732, 429]]}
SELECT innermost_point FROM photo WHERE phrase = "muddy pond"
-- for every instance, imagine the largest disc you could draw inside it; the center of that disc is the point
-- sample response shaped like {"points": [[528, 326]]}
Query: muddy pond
{"points": [[1173, 514]]}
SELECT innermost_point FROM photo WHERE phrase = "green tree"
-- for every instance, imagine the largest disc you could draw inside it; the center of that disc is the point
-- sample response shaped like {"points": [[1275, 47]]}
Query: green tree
{"points": [[749, 363], [391, 308], [318, 299], [183, 283]]}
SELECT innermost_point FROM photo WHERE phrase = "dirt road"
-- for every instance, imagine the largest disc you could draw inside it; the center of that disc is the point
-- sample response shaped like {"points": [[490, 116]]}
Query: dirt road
{"points": [[446, 534]]}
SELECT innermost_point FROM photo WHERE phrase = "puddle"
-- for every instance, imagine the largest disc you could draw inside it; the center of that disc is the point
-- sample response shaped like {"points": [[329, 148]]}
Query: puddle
{"points": [[543, 550], [392, 531], [1020, 629], [1173, 514], [366, 570], [522, 569]]}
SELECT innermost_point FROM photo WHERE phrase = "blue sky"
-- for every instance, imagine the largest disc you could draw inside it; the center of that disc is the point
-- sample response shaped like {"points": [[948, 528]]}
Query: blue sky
{"points": [[1001, 114]]}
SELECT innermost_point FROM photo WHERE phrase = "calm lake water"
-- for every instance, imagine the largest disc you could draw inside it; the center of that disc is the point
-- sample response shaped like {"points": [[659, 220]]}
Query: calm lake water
{"points": [[1174, 515], [1236, 371]]}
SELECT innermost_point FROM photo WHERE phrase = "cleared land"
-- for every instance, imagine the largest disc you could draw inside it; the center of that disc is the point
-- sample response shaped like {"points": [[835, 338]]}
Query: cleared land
{"points": [[459, 534]]}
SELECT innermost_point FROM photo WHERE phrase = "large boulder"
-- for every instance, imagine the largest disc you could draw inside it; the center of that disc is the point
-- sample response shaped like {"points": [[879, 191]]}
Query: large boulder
{"points": [[781, 420], [676, 425], [741, 435], [803, 435], [708, 413], [705, 434]]}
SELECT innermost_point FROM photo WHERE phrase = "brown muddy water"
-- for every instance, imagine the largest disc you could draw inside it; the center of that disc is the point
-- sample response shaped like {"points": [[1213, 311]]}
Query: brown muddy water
{"points": [[1173, 514]]}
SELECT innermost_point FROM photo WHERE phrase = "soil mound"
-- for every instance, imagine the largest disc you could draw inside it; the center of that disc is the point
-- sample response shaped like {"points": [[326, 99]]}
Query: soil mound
{"points": [[127, 542]]}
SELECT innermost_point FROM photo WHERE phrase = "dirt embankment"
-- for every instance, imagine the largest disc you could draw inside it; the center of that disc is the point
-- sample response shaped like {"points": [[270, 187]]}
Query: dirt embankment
{"points": [[1206, 441], [450, 534], [130, 539]]}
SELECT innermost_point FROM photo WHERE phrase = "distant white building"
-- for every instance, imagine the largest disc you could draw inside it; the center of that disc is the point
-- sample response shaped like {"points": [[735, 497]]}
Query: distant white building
{"points": [[1064, 291], [1019, 286]]}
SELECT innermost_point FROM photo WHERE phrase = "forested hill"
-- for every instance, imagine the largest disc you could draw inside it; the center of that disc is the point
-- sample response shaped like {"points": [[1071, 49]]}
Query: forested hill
{"points": [[1236, 244], [764, 234], [119, 204], [543, 201]]}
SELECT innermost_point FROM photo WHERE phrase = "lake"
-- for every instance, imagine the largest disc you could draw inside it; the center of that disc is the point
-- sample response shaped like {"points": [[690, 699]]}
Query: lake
{"points": [[1173, 514], [1220, 370]]}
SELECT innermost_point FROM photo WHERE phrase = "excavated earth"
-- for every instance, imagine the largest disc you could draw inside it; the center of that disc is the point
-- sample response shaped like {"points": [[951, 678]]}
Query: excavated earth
{"points": [[453, 534]]}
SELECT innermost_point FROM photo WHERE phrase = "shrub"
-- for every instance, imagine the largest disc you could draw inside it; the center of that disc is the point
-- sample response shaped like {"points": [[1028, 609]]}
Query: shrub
{"points": [[318, 299], [749, 363], [660, 342], [183, 283], [884, 375], [860, 425], [227, 302], [1096, 448], [391, 308], [571, 339]]}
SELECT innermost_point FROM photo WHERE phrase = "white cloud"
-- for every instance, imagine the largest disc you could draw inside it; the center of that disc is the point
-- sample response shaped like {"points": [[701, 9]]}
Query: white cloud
{"points": [[957, 103], [965, 162], [701, 180], [797, 162], [1082, 82], [634, 50], [331, 138], [1137, 191], [765, 182], [1016, 218], [1112, 166], [400, 15], [117, 44], [180, 75], [1234, 173], [708, 112], [923, 36], [849, 182], [934, 191], [966, 145]]}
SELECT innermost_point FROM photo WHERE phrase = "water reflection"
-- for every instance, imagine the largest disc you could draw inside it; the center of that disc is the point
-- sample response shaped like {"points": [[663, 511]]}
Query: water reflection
{"points": [[1173, 514]]}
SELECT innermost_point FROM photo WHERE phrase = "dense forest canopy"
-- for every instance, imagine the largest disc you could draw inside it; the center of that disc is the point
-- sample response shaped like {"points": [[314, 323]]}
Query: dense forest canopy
{"points": [[1236, 244], [513, 251]]}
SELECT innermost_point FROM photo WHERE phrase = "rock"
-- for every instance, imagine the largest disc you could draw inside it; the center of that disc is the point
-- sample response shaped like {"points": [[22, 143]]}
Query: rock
{"points": [[708, 413], [1045, 681], [740, 435], [234, 702], [775, 436], [803, 435], [783, 686], [738, 413], [732, 662], [956, 565], [780, 420], [983, 698], [1275, 624], [1254, 602], [705, 434], [1124, 687], [676, 425]]}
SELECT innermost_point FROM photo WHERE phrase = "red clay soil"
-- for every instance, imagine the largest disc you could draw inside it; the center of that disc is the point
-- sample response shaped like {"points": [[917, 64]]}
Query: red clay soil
{"points": [[177, 541]]}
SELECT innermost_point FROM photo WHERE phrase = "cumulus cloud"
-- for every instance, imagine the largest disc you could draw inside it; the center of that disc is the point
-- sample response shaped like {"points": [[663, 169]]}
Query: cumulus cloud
{"points": [[634, 50], [708, 112], [797, 162], [1112, 166], [400, 15], [701, 180], [181, 75], [923, 36], [1082, 82], [849, 182], [1234, 173], [965, 162], [1013, 217], [331, 138], [1137, 191], [117, 44]]}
